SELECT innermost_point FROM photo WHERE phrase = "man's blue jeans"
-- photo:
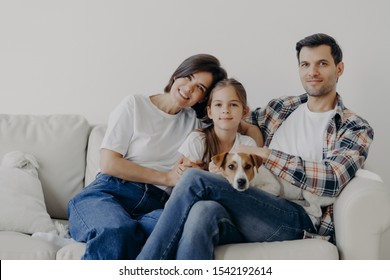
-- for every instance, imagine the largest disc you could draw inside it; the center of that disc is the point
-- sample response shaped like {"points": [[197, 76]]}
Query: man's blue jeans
{"points": [[114, 217], [205, 211]]}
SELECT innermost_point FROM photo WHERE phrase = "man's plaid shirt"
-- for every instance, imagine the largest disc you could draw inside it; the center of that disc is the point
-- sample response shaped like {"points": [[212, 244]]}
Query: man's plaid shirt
{"points": [[345, 149]]}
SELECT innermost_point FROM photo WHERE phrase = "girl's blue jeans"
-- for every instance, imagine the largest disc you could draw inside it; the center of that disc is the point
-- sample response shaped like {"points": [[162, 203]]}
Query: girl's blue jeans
{"points": [[205, 211], [114, 217]]}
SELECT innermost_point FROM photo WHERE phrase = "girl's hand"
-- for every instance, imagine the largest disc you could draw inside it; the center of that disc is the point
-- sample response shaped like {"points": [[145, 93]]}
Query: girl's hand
{"points": [[198, 164]]}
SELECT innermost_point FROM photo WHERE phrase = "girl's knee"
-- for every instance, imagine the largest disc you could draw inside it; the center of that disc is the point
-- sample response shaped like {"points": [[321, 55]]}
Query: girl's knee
{"points": [[205, 211]]}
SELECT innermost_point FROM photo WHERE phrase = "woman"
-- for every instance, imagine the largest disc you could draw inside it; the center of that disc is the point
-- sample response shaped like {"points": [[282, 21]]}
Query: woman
{"points": [[140, 162]]}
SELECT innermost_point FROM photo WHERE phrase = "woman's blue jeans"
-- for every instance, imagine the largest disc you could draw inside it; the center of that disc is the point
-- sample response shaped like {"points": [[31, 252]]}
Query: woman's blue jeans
{"points": [[114, 217], [204, 211]]}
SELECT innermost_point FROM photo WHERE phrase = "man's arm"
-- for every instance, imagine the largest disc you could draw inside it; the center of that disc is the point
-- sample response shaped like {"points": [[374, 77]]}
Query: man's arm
{"points": [[328, 177], [252, 131]]}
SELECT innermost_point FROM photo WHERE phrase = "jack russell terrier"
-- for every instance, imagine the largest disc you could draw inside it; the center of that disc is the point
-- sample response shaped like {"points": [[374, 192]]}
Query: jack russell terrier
{"points": [[244, 170]]}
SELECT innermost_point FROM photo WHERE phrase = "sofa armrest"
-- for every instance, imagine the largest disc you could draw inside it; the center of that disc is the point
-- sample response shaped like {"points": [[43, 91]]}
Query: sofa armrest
{"points": [[362, 219]]}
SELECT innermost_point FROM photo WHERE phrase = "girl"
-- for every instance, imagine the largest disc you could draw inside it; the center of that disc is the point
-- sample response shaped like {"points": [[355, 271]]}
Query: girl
{"points": [[226, 107]]}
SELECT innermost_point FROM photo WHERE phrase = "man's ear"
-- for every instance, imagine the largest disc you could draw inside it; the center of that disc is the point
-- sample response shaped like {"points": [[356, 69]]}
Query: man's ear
{"points": [[340, 69]]}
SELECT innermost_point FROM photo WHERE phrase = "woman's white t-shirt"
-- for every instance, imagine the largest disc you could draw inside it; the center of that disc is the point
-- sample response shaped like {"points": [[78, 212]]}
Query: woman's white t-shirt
{"points": [[147, 136], [194, 146]]}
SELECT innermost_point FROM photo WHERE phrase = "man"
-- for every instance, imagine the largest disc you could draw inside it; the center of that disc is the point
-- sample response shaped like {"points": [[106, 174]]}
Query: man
{"points": [[312, 141]]}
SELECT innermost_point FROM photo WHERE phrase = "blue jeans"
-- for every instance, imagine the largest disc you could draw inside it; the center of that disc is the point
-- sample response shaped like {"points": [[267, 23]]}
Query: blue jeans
{"points": [[114, 217], [204, 211]]}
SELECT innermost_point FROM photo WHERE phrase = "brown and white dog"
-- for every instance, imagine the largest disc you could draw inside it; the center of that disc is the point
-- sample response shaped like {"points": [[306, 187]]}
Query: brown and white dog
{"points": [[238, 168], [245, 170]]}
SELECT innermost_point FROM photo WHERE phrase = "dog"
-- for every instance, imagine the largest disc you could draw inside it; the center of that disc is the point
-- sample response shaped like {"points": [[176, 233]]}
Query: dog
{"points": [[238, 168], [247, 170]]}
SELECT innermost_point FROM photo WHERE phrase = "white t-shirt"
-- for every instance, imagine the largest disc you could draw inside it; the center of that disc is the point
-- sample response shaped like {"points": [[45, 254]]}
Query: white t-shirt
{"points": [[302, 134], [194, 146], [147, 136]]}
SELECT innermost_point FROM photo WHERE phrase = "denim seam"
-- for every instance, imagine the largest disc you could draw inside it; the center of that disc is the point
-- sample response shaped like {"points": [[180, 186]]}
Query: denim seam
{"points": [[281, 228], [134, 210], [180, 229], [82, 222]]}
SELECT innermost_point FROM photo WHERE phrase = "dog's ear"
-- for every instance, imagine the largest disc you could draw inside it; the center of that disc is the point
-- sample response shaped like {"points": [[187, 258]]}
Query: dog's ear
{"points": [[219, 159], [257, 160]]}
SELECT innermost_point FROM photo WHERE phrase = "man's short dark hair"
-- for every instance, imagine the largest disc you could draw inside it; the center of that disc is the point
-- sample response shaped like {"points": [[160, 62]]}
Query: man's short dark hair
{"points": [[319, 39]]}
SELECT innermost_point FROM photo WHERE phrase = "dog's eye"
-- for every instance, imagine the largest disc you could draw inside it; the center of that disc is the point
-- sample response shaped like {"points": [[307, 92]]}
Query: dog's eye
{"points": [[248, 166], [231, 166]]}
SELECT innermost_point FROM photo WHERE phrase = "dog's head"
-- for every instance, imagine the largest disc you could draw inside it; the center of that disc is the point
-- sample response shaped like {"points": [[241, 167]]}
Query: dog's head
{"points": [[239, 168]]}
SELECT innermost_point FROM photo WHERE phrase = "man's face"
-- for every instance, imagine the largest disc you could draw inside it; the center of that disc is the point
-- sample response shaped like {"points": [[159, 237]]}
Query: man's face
{"points": [[318, 71]]}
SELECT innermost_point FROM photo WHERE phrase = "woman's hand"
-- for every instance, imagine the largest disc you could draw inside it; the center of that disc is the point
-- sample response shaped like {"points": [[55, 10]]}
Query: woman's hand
{"points": [[174, 175]]}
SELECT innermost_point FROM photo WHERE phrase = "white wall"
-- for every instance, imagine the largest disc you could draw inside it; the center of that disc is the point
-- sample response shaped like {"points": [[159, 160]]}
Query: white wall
{"points": [[84, 56]]}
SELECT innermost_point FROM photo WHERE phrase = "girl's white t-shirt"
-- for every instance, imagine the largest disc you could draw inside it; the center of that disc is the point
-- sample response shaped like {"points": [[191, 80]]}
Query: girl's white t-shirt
{"points": [[193, 147], [147, 136]]}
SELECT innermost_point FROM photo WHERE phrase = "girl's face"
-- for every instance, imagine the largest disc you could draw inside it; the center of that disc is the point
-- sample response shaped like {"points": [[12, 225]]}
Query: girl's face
{"points": [[187, 91], [226, 110]]}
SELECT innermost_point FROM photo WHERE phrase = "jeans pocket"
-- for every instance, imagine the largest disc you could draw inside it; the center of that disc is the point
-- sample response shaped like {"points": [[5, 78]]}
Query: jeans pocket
{"points": [[101, 179]]}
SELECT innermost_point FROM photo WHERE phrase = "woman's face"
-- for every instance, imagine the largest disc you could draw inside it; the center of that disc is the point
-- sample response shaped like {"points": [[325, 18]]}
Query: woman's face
{"points": [[190, 90]]}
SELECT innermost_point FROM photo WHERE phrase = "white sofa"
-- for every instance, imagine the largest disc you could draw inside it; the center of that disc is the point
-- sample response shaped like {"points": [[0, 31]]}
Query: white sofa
{"points": [[67, 149]]}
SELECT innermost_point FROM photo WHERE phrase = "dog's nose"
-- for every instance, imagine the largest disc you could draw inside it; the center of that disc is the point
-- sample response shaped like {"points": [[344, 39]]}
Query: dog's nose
{"points": [[241, 182]]}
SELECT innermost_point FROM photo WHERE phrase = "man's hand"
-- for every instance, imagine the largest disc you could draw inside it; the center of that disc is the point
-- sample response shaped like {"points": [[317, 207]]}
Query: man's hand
{"points": [[261, 152]]}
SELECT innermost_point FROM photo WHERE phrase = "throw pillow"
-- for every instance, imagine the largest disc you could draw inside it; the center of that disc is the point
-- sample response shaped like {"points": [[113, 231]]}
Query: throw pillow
{"points": [[22, 206]]}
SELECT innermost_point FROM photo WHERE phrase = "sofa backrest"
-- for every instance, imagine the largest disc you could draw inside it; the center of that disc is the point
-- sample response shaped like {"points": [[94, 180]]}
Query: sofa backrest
{"points": [[59, 142], [93, 152]]}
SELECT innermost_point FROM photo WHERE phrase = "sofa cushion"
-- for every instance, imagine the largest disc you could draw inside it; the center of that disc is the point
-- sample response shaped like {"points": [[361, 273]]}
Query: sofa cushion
{"points": [[93, 154], [21, 202], [20, 246], [73, 251], [59, 142], [303, 249]]}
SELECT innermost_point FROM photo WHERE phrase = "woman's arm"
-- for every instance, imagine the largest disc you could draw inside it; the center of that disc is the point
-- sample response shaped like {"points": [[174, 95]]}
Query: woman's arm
{"points": [[113, 164]]}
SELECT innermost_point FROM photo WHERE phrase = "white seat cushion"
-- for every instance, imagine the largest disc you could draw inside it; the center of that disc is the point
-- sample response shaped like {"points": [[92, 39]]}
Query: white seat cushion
{"points": [[20, 246], [303, 249]]}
